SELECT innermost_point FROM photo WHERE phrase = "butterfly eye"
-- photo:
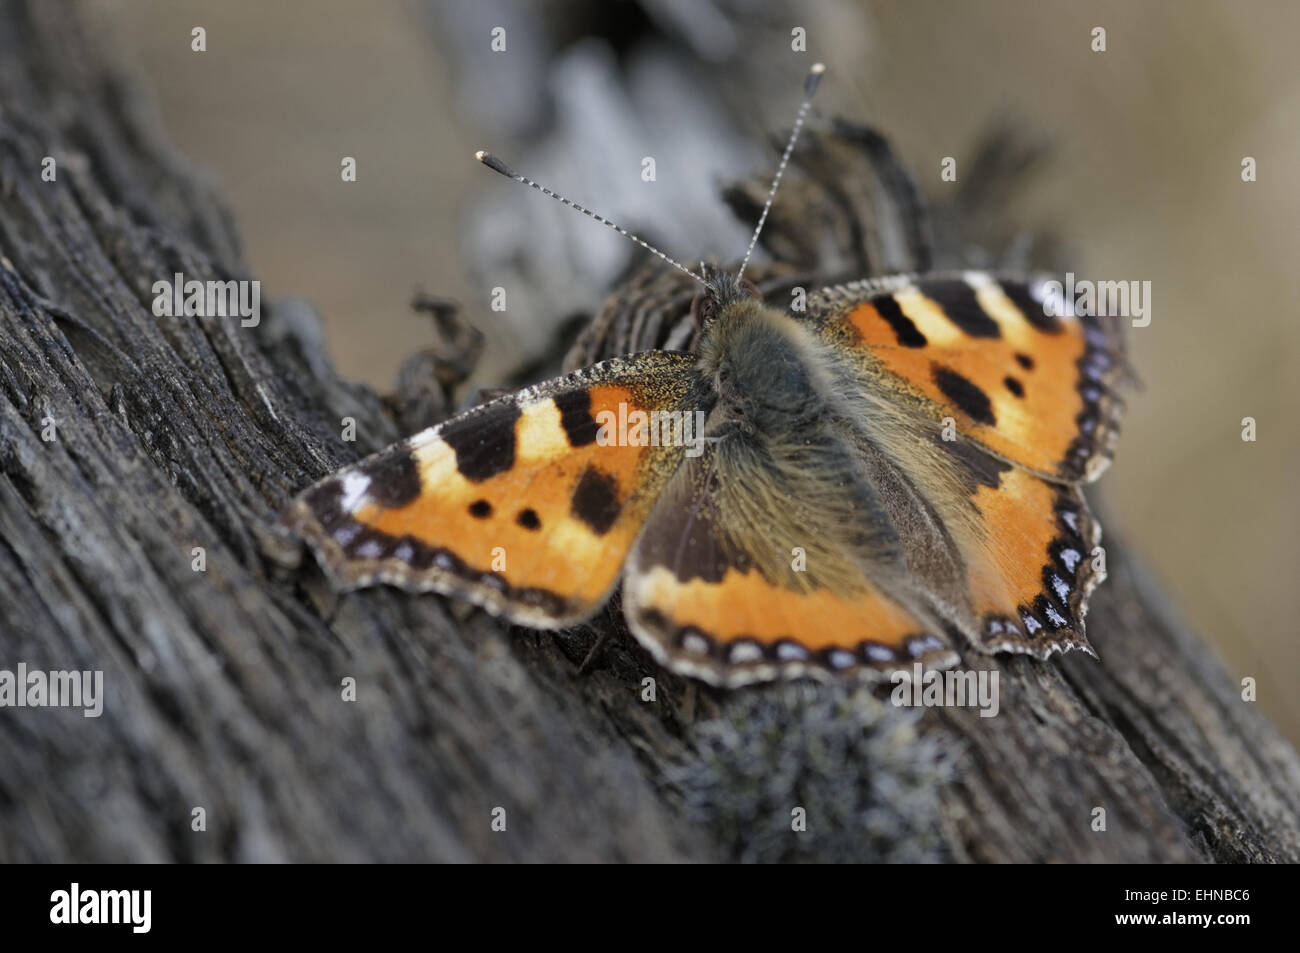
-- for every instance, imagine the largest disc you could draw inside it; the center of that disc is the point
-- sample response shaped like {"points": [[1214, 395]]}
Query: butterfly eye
{"points": [[706, 310]]}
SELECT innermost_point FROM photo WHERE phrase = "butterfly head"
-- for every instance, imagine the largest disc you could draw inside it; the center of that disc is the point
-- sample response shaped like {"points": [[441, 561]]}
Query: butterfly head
{"points": [[723, 292]]}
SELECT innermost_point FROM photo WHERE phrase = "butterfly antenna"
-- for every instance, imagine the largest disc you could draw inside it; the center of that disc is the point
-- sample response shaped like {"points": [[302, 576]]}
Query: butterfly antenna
{"points": [[496, 165], [809, 88]]}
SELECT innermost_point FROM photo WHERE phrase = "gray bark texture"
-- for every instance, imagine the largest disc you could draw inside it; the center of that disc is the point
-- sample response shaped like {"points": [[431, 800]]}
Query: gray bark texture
{"points": [[223, 687]]}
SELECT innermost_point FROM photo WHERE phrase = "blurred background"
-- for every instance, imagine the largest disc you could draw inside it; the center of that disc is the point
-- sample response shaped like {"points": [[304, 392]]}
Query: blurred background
{"points": [[1144, 183]]}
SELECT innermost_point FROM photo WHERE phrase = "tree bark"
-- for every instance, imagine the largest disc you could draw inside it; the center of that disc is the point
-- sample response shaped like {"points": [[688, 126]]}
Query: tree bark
{"points": [[224, 686]]}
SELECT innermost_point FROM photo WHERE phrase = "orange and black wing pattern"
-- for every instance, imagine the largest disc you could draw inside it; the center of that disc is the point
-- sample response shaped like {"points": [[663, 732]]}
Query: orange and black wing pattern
{"points": [[695, 596], [520, 505], [1031, 392], [1033, 387], [1033, 560]]}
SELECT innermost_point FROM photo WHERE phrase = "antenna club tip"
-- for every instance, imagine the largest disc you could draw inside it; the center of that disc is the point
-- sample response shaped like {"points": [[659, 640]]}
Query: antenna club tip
{"points": [[814, 79], [495, 164]]}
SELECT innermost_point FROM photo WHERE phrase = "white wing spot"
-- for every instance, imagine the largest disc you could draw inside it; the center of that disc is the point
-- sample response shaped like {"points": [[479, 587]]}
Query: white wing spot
{"points": [[355, 486], [696, 645], [746, 652]]}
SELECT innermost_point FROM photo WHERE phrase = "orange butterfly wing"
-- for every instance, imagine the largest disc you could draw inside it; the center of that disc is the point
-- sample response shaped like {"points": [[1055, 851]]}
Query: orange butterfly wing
{"points": [[698, 602], [517, 505], [1033, 400], [1034, 389]]}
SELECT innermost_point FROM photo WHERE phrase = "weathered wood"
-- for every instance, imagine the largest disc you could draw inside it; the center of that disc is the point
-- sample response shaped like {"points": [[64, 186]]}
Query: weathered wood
{"points": [[223, 687]]}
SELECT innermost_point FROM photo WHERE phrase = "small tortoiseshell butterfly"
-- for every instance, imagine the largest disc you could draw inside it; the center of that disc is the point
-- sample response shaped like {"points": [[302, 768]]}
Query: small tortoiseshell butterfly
{"points": [[850, 488]]}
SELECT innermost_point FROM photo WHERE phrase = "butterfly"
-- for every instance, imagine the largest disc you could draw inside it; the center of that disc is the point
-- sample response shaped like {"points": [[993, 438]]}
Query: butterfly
{"points": [[858, 487]]}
